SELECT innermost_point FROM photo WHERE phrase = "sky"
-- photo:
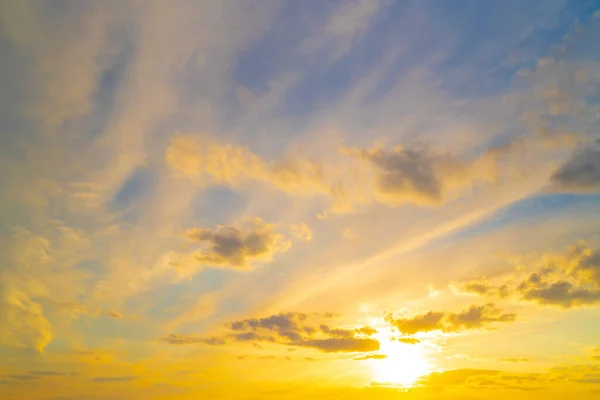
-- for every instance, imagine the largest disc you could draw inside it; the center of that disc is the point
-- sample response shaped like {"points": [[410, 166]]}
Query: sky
{"points": [[276, 199]]}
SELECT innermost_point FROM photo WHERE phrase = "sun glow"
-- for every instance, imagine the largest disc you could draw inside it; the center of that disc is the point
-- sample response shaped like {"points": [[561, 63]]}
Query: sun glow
{"points": [[403, 365]]}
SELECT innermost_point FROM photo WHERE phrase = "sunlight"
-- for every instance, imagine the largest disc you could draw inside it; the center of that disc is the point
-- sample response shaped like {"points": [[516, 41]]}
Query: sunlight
{"points": [[404, 364]]}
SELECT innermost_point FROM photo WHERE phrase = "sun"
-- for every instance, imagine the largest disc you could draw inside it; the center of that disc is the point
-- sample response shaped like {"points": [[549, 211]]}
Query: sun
{"points": [[403, 365]]}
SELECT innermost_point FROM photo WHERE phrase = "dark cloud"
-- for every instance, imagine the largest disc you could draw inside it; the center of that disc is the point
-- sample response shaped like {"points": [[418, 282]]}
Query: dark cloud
{"points": [[290, 329], [561, 293], [279, 322], [123, 378], [415, 174], [484, 288], [234, 247], [581, 173], [370, 357], [474, 317]]}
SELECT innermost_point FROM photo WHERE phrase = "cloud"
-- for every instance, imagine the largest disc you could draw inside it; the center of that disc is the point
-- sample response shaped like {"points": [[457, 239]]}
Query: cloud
{"points": [[480, 379], [570, 279], [483, 288], [108, 379], [455, 376], [332, 345], [287, 325], [581, 173], [52, 373], [515, 360], [394, 176], [474, 317], [346, 24], [23, 321], [595, 354], [218, 163], [559, 293], [588, 267], [370, 357], [22, 317], [417, 175], [301, 231], [429, 321], [174, 338], [290, 329], [229, 246], [408, 340], [25, 377]]}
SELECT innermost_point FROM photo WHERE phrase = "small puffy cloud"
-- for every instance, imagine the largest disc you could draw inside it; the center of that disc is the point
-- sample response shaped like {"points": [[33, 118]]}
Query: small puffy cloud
{"points": [[429, 321], [366, 330], [581, 173], [474, 317], [235, 247], [301, 231], [290, 329], [408, 340]]}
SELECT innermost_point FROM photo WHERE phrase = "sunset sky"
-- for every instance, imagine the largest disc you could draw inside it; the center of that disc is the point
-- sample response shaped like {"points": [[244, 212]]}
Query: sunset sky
{"points": [[311, 199]]}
